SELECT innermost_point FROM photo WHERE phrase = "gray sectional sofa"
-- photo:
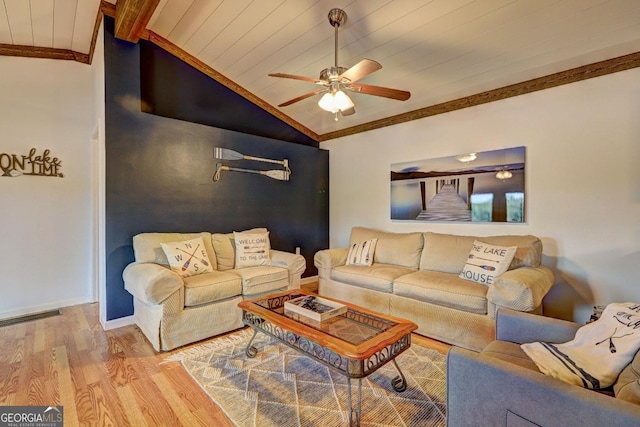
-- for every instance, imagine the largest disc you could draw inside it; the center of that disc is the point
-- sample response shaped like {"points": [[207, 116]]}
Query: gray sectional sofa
{"points": [[501, 386], [415, 276]]}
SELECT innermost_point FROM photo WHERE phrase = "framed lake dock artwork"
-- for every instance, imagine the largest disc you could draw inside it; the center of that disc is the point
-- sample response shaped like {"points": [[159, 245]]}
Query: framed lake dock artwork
{"points": [[487, 186]]}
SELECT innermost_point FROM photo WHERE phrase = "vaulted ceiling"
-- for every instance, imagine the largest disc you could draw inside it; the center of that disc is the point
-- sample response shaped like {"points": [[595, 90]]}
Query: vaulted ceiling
{"points": [[449, 54]]}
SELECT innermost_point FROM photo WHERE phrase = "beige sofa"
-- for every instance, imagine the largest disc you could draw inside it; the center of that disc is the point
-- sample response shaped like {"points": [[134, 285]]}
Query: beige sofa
{"points": [[173, 311], [415, 276]]}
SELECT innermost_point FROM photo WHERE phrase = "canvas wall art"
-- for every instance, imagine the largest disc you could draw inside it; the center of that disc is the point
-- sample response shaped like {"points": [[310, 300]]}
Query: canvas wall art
{"points": [[487, 186]]}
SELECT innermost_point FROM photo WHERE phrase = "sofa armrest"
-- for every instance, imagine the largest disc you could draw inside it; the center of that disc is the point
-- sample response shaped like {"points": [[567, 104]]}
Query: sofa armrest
{"points": [[330, 258], [485, 391], [149, 282], [520, 328], [521, 289], [295, 263]]}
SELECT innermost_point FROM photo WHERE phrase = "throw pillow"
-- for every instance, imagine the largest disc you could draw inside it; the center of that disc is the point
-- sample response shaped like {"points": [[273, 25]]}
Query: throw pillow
{"points": [[362, 253], [187, 257], [486, 262], [252, 249], [597, 354]]}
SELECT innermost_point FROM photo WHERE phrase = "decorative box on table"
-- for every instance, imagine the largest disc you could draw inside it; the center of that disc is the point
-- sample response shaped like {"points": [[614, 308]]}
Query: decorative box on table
{"points": [[313, 308]]}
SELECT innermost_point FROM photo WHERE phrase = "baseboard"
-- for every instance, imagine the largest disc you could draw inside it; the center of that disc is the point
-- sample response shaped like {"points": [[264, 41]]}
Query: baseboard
{"points": [[24, 311], [118, 323], [307, 280]]}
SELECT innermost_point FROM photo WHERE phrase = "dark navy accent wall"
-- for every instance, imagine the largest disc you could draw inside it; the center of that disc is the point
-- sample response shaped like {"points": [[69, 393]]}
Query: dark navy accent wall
{"points": [[172, 88], [159, 178]]}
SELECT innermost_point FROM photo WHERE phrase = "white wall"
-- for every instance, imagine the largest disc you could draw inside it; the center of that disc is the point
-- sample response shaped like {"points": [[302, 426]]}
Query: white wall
{"points": [[46, 223], [583, 181]]}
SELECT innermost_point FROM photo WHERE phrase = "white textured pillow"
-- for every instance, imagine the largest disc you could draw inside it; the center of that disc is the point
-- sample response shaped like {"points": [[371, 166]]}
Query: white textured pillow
{"points": [[252, 249], [187, 257], [362, 253], [486, 262], [597, 354]]}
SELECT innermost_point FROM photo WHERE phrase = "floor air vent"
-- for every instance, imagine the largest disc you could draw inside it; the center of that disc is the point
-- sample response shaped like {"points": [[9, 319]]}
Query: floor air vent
{"points": [[29, 317]]}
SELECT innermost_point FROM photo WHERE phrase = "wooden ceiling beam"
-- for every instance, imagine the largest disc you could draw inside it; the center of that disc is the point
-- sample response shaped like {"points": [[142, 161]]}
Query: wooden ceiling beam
{"points": [[43, 52], [132, 17], [573, 75]]}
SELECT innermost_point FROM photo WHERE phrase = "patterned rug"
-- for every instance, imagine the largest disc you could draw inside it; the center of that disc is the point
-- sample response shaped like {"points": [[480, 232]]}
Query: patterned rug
{"points": [[281, 387]]}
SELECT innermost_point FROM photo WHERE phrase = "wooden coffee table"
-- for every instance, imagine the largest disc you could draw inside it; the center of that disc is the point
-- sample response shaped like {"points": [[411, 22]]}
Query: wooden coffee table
{"points": [[355, 343]]}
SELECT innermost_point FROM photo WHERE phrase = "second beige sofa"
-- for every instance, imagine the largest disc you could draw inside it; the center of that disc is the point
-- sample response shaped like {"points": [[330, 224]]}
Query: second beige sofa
{"points": [[415, 276]]}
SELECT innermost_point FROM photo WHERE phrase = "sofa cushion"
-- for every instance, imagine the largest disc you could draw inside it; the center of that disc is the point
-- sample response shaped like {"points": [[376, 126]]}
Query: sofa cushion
{"points": [[509, 352], [443, 289], [402, 249], [147, 246], [528, 254], [448, 252], [260, 279], [187, 257], [209, 287], [378, 277], [627, 386], [225, 248]]}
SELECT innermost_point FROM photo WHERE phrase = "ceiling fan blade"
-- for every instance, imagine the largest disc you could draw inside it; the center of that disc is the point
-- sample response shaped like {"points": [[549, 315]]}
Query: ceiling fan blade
{"points": [[301, 97], [360, 70], [294, 77], [348, 112], [386, 92]]}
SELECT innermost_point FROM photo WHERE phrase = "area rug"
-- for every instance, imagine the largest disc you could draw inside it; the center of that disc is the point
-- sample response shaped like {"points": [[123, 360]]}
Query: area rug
{"points": [[281, 387]]}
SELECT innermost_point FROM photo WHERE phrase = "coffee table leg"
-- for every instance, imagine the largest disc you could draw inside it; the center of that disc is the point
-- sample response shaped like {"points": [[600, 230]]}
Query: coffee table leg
{"points": [[354, 414], [251, 351], [399, 383]]}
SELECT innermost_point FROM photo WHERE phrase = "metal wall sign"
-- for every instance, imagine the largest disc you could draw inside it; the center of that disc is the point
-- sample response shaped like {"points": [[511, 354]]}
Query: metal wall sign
{"points": [[13, 165]]}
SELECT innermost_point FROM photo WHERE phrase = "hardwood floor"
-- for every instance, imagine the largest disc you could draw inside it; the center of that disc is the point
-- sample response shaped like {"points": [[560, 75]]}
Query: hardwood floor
{"points": [[104, 378]]}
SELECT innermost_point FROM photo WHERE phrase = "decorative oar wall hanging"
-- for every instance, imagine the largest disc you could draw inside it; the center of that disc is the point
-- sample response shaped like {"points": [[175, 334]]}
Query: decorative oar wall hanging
{"points": [[227, 154]]}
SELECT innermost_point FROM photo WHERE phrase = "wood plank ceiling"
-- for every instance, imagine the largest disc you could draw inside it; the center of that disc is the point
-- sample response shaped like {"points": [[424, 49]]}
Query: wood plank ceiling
{"points": [[449, 54]]}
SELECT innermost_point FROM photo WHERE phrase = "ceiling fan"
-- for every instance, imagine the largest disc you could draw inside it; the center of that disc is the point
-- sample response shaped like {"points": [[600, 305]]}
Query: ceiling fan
{"points": [[336, 80]]}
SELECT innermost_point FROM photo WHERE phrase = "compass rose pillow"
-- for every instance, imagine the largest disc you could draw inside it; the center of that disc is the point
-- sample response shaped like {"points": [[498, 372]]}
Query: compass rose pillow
{"points": [[597, 354], [187, 257]]}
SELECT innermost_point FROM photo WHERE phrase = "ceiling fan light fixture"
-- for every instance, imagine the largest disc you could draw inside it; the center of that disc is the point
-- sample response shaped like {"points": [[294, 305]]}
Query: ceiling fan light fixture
{"points": [[326, 103], [333, 103], [342, 101]]}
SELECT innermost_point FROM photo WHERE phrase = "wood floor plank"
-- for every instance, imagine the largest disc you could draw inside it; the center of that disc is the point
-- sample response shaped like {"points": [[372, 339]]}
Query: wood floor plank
{"points": [[65, 385], [106, 405], [39, 338], [179, 407], [135, 416]]}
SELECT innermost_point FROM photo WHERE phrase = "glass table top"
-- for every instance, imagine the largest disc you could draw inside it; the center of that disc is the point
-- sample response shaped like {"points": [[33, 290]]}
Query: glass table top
{"points": [[353, 326]]}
